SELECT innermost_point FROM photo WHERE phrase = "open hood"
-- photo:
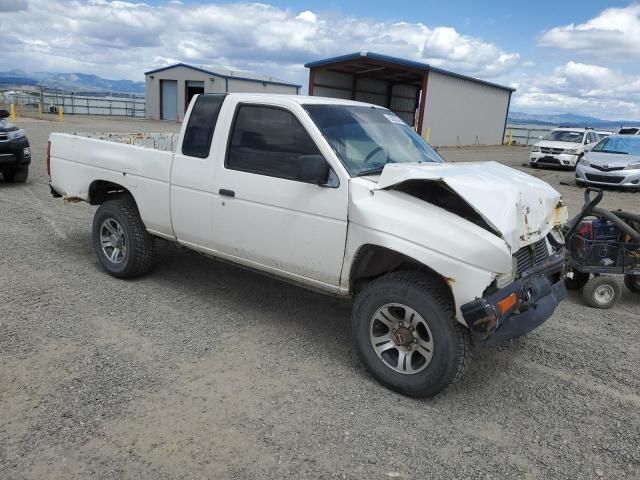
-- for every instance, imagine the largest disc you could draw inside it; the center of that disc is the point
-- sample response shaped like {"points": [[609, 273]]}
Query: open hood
{"points": [[518, 207]]}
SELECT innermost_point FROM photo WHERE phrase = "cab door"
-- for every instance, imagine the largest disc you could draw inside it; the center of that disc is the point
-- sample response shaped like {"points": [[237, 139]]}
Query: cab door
{"points": [[192, 185], [265, 215]]}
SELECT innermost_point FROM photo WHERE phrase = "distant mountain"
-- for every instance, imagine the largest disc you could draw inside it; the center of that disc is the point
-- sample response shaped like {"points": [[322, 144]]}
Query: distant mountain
{"points": [[70, 81], [567, 119]]}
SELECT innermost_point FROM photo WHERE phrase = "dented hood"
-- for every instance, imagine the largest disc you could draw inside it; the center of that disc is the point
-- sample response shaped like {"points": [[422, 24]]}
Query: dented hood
{"points": [[516, 205]]}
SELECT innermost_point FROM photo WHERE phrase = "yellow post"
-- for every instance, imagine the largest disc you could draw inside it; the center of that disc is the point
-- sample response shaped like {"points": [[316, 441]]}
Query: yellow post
{"points": [[60, 114], [39, 110], [510, 137], [427, 134], [12, 111]]}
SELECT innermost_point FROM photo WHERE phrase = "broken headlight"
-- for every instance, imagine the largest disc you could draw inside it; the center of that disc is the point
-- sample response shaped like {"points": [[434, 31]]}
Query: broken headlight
{"points": [[556, 238], [505, 279]]}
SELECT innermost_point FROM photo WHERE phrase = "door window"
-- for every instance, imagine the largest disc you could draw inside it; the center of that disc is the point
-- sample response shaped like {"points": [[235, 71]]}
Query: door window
{"points": [[268, 141]]}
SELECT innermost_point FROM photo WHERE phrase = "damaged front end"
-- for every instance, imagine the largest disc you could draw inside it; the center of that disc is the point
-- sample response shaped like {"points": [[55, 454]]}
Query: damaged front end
{"points": [[524, 213], [524, 304]]}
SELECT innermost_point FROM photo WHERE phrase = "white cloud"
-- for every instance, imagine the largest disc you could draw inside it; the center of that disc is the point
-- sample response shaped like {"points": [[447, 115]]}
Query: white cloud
{"points": [[581, 88], [615, 32], [123, 39]]}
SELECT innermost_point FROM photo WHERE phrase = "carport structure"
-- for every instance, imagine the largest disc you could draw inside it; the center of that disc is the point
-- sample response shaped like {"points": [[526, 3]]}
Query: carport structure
{"points": [[457, 109]]}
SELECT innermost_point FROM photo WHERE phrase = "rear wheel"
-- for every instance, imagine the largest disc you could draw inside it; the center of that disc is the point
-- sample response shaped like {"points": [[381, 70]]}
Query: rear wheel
{"points": [[602, 292], [632, 282], [122, 244], [407, 334], [578, 281], [18, 175]]}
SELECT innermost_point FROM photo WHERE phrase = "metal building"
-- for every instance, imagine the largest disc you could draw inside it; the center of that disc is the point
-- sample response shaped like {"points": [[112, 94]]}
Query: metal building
{"points": [[170, 89], [446, 107]]}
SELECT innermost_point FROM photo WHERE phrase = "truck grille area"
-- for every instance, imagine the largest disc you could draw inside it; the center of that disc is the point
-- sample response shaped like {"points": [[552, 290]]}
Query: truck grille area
{"points": [[531, 255]]}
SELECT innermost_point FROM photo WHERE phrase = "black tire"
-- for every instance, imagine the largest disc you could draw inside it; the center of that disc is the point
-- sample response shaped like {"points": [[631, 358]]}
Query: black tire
{"points": [[578, 281], [632, 282], [533, 165], [139, 255], [451, 344], [18, 175], [602, 292]]}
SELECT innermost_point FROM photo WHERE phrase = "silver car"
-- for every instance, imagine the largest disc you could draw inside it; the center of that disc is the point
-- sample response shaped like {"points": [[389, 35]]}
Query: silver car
{"points": [[614, 161]]}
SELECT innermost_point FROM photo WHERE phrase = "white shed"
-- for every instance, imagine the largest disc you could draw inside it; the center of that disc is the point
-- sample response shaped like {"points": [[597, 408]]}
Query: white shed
{"points": [[170, 89], [446, 107]]}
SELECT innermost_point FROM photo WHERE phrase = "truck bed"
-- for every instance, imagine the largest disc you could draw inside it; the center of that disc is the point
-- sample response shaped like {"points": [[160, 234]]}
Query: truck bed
{"points": [[140, 163]]}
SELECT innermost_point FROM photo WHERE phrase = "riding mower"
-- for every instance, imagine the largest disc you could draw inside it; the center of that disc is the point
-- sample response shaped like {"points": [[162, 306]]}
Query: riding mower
{"points": [[601, 244]]}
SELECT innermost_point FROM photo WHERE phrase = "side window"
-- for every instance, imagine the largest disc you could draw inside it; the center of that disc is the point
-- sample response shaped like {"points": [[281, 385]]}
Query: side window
{"points": [[268, 141], [202, 124]]}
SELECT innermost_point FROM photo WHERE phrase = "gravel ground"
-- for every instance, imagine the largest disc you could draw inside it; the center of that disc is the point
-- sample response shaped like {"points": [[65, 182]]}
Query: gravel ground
{"points": [[205, 370]]}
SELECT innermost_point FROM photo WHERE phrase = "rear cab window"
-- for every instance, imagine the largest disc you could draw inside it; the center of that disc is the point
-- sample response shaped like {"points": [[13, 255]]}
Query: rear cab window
{"points": [[202, 125]]}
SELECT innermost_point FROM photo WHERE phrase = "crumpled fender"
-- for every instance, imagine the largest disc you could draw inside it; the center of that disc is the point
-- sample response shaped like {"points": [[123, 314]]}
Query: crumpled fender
{"points": [[467, 256]]}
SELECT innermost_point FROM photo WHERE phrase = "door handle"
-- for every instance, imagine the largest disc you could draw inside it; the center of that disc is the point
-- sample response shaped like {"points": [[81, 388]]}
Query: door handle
{"points": [[227, 193]]}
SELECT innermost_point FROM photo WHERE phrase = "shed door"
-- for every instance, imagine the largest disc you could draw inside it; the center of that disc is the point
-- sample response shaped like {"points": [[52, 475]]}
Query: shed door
{"points": [[169, 99]]}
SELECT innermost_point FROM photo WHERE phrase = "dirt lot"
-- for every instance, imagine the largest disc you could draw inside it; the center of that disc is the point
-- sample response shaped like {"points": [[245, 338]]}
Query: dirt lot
{"points": [[204, 370]]}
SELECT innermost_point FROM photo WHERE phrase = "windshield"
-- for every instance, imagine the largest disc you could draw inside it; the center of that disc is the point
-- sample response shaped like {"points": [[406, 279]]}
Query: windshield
{"points": [[367, 138], [564, 136], [621, 144]]}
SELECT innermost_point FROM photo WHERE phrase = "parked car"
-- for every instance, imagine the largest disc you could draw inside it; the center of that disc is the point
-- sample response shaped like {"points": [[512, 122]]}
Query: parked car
{"points": [[562, 147], [629, 131], [614, 161], [345, 198], [15, 152]]}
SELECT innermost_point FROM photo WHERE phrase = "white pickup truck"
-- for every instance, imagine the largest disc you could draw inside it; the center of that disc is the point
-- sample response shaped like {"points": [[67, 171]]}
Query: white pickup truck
{"points": [[345, 198]]}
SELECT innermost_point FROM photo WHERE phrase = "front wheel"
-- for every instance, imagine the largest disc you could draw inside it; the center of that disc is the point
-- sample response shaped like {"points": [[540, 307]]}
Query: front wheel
{"points": [[407, 334], [120, 239], [602, 292], [632, 282]]}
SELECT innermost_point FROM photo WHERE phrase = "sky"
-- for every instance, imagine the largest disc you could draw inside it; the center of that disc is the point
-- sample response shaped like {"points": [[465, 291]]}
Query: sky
{"points": [[562, 56]]}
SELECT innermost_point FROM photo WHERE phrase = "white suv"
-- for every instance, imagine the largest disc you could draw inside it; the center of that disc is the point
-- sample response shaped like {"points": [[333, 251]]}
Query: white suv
{"points": [[563, 147]]}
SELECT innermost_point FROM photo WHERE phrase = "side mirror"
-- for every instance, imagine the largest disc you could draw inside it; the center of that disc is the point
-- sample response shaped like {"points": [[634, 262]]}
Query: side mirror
{"points": [[313, 169], [4, 114]]}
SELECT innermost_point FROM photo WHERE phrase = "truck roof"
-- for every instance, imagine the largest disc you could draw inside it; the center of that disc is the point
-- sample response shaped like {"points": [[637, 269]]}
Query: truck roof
{"points": [[299, 99]]}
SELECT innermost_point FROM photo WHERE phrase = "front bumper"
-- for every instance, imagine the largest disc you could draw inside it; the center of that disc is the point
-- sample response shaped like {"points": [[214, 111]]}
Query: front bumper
{"points": [[616, 178], [561, 159], [15, 153], [538, 292]]}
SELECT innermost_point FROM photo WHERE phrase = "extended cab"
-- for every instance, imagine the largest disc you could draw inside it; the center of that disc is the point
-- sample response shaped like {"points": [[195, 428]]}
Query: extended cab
{"points": [[345, 198]]}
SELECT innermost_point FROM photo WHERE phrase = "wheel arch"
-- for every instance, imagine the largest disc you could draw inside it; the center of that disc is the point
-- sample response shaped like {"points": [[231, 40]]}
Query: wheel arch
{"points": [[101, 190], [372, 261]]}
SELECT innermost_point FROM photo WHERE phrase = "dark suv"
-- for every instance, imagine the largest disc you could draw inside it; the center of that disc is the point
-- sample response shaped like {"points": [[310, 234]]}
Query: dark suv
{"points": [[15, 153]]}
